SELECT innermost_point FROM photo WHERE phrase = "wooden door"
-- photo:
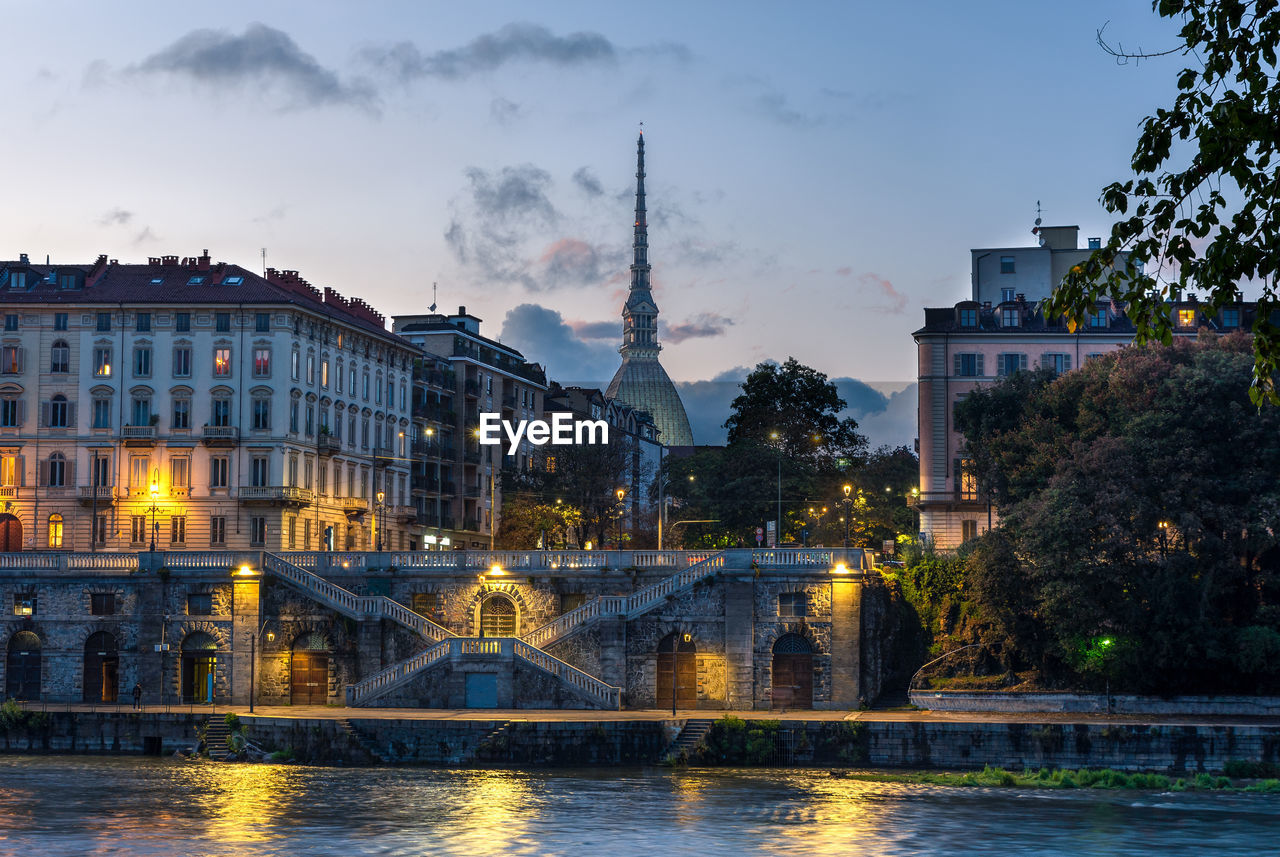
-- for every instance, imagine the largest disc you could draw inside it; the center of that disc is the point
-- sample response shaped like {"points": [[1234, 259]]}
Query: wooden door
{"points": [[10, 534], [792, 680], [309, 679], [681, 669], [22, 667]]}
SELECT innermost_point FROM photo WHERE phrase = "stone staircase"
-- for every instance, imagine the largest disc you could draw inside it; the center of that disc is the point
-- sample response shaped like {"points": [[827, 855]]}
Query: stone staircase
{"points": [[217, 737], [691, 735], [361, 740]]}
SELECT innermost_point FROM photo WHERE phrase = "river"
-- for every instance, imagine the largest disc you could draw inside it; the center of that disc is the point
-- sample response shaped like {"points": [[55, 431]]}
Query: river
{"points": [[76, 805]]}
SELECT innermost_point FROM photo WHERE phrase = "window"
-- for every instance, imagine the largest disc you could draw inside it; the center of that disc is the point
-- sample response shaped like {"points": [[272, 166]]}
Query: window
{"points": [[1006, 296], [364, 433], [141, 410], [337, 377], [261, 414], [261, 362], [200, 604], [18, 280], [233, 281], [100, 529], [59, 321], [182, 362], [10, 412], [968, 530], [102, 413], [142, 362], [968, 318], [195, 281], [100, 470], [60, 358], [55, 531], [1058, 363], [1010, 317], [968, 365], [1231, 318], [10, 321], [293, 533], [102, 362], [257, 531], [218, 471], [1007, 364], [1098, 318], [222, 322], [308, 473], [966, 480], [11, 360], [104, 322], [138, 529], [311, 420], [143, 322], [293, 416], [220, 413], [222, 362], [259, 472], [181, 415], [1186, 318], [261, 320], [178, 530], [1006, 265], [139, 470], [364, 386], [179, 474], [58, 412], [311, 369], [56, 472], [24, 604], [102, 604], [353, 381], [182, 322], [293, 364], [324, 374], [217, 530], [794, 604]]}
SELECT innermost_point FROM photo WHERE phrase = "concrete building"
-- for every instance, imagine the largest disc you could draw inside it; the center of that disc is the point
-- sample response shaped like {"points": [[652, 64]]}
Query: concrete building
{"points": [[978, 342], [188, 404], [462, 375]]}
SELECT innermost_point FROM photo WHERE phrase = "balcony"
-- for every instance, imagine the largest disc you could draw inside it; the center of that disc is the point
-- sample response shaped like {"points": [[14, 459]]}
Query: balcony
{"points": [[472, 524], [276, 494], [102, 493], [472, 389], [8, 492], [328, 445], [138, 435], [220, 435], [354, 505], [509, 402], [386, 453]]}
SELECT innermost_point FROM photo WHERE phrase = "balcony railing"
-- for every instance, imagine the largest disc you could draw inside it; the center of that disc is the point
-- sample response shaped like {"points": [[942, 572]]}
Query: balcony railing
{"points": [[328, 444], [135, 434], [220, 435], [354, 504], [102, 493], [277, 494]]}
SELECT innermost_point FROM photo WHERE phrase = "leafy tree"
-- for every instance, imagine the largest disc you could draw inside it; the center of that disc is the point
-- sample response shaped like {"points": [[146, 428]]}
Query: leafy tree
{"points": [[1203, 207], [1138, 504], [526, 520]]}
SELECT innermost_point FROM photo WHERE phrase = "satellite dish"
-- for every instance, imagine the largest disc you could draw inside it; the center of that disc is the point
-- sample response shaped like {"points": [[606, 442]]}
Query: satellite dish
{"points": [[432, 308]]}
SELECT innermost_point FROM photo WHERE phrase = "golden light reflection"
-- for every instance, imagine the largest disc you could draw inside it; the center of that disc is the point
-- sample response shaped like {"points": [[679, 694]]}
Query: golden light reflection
{"points": [[494, 813], [241, 803]]}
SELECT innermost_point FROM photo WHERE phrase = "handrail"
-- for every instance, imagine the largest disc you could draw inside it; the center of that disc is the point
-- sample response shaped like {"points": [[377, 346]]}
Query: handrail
{"points": [[569, 674]]}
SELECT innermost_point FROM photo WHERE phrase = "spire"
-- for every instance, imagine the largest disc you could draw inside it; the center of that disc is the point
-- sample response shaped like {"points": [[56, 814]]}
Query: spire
{"points": [[640, 313], [640, 242]]}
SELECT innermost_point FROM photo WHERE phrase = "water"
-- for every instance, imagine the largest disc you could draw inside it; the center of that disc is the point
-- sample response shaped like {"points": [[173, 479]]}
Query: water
{"points": [[85, 805]]}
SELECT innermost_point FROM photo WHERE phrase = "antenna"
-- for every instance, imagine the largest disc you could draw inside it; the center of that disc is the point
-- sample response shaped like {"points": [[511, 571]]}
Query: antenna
{"points": [[264, 261], [1035, 230], [432, 308]]}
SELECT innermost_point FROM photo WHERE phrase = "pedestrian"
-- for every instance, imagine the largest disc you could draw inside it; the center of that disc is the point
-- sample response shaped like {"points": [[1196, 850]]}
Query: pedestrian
{"points": [[137, 696]]}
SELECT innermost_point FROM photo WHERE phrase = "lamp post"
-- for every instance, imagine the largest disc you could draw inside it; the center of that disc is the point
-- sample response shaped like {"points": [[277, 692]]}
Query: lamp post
{"points": [[848, 513], [155, 495], [253, 660], [621, 511], [675, 670], [380, 497], [777, 524]]}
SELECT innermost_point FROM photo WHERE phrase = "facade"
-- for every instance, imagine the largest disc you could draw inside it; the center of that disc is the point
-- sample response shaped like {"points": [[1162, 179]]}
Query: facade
{"points": [[978, 342], [457, 489], [641, 381], [186, 404]]}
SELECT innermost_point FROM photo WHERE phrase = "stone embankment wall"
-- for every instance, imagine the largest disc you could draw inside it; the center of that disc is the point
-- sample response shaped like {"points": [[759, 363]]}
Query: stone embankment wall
{"points": [[847, 744], [1085, 703]]}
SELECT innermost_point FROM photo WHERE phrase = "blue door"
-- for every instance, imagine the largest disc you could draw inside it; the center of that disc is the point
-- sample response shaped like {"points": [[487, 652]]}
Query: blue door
{"points": [[482, 690]]}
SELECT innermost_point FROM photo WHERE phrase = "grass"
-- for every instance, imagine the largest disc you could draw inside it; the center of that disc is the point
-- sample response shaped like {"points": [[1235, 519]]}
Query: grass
{"points": [[1085, 778]]}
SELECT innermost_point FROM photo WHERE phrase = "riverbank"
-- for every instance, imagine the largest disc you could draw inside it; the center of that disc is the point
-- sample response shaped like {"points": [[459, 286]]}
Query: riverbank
{"points": [[837, 740]]}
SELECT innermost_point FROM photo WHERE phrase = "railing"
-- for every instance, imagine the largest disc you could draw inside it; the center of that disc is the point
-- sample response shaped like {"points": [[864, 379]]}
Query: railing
{"points": [[220, 432], [373, 686], [327, 444], [647, 597], [137, 432], [606, 694], [354, 504], [102, 492], [282, 493]]}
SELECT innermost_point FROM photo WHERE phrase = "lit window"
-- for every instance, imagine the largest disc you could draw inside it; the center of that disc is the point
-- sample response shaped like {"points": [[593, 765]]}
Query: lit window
{"points": [[222, 362], [11, 360], [55, 531], [261, 362], [102, 362], [24, 604], [968, 481], [1186, 318]]}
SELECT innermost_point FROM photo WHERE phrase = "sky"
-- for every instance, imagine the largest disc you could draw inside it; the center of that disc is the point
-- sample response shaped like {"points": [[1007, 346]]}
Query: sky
{"points": [[816, 172]]}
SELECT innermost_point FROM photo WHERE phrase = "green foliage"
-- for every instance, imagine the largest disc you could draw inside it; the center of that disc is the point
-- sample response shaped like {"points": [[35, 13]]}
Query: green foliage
{"points": [[15, 718], [733, 741], [1200, 209], [1249, 770], [526, 518], [233, 722], [285, 755]]}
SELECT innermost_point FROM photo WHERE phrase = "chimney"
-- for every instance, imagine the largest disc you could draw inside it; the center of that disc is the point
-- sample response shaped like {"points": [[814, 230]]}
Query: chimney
{"points": [[202, 263], [461, 310], [22, 257]]}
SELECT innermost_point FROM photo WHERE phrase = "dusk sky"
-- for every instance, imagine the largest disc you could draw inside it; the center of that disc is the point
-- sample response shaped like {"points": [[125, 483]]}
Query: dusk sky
{"points": [[816, 173]]}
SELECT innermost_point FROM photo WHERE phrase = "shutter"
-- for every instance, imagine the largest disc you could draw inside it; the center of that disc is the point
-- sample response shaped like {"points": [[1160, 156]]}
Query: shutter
{"points": [[71, 414], [42, 479], [44, 417], [1022, 361], [957, 367], [1066, 363], [22, 352], [71, 473], [22, 412], [979, 358], [1046, 360], [22, 470], [955, 477]]}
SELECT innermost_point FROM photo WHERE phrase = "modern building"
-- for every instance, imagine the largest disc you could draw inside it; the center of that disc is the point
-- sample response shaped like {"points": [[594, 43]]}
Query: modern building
{"points": [[195, 405], [461, 375], [1001, 330], [641, 381]]}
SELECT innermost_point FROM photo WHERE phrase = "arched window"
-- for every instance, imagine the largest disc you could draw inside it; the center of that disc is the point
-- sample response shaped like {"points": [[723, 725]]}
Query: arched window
{"points": [[60, 358], [497, 616], [55, 531]]}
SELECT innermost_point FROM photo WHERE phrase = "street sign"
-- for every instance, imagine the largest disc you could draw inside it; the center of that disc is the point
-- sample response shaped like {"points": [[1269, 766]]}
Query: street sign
{"points": [[772, 527], [759, 536], [888, 547]]}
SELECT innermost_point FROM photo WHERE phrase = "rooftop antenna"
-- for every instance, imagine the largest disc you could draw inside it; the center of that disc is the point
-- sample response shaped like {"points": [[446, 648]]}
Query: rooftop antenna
{"points": [[264, 261], [1036, 229], [432, 308]]}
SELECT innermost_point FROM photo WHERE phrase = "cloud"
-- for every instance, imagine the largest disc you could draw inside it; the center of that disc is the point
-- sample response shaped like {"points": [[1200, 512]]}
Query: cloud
{"points": [[504, 111], [700, 326], [261, 56], [512, 191], [501, 211], [144, 236], [571, 261], [597, 329], [115, 217], [528, 43], [543, 336], [896, 301], [588, 183]]}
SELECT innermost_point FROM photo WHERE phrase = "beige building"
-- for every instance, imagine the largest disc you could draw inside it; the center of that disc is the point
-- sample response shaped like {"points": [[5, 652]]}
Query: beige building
{"points": [[194, 405]]}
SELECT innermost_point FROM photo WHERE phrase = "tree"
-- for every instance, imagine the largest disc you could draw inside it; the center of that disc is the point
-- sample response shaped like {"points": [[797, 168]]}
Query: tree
{"points": [[1203, 207], [528, 521], [1139, 506]]}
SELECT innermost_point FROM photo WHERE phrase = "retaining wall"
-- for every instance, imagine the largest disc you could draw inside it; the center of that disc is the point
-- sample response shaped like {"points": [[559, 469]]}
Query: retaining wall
{"points": [[1084, 703]]}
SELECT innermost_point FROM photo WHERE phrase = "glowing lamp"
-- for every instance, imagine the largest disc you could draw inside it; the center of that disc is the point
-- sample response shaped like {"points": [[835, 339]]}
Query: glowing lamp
{"points": [[840, 568], [496, 569]]}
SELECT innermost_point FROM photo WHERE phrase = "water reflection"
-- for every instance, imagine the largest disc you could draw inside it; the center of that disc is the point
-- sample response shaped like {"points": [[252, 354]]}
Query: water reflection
{"points": [[78, 805]]}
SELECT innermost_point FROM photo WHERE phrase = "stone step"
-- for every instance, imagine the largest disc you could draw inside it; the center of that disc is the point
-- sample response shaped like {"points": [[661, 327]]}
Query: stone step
{"points": [[693, 733]]}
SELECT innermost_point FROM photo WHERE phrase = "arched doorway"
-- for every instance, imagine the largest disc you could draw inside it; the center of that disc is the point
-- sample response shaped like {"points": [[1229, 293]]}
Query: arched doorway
{"points": [[101, 668], [309, 670], [497, 616], [22, 667], [792, 672], [10, 534], [199, 667], [677, 671]]}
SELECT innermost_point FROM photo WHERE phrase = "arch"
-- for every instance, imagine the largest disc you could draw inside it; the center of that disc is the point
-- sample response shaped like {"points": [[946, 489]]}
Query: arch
{"points": [[55, 531], [497, 615], [101, 668], [10, 533], [792, 672], [309, 669], [199, 666], [22, 667], [677, 671]]}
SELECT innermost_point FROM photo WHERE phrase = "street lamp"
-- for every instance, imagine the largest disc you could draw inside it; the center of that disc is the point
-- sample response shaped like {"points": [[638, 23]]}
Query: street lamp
{"points": [[621, 511], [777, 532], [848, 513], [155, 495], [379, 524], [253, 659]]}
